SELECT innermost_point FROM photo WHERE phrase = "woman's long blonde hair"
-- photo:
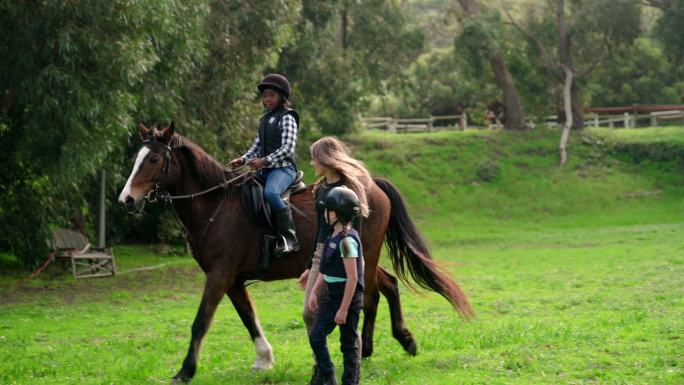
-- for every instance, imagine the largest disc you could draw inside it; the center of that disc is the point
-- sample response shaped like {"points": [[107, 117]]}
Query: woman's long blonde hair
{"points": [[334, 154]]}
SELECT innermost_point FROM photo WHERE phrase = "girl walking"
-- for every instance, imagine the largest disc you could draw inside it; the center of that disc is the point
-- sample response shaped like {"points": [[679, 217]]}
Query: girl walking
{"points": [[341, 271]]}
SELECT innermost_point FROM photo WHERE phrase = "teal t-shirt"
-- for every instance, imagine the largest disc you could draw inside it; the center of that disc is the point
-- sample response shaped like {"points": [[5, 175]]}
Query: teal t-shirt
{"points": [[353, 253]]}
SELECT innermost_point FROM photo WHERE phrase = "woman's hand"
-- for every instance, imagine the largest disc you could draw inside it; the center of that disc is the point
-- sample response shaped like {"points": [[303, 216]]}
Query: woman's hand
{"points": [[258, 163], [237, 162], [313, 301], [341, 317], [303, 279]]}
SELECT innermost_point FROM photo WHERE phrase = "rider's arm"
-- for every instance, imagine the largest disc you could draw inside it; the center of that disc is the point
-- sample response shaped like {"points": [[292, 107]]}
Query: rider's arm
{"points": [[253, 151]]}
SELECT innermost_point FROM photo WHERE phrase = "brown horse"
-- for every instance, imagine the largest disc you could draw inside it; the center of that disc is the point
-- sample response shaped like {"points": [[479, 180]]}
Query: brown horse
{"points": [[226, 244]]}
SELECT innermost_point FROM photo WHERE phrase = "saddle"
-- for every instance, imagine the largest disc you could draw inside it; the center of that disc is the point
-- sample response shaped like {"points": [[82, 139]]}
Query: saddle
{"points": [[256, 207], [259, 211]]}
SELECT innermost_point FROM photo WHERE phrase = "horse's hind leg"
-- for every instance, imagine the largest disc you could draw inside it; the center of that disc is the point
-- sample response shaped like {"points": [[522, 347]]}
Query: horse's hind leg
{"points": [[371, 297], [389, 287], [214, 288], [240, 298]]}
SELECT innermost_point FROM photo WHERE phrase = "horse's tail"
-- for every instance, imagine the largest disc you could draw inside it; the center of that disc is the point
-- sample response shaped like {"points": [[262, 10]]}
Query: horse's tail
{"points": [[410, 254]]}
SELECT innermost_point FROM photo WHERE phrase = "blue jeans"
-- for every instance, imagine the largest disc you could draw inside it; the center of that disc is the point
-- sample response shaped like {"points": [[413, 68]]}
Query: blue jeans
{"points": [[277, 181]]}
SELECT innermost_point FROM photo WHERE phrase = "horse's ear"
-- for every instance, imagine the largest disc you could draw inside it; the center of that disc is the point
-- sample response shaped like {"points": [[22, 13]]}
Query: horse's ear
{"points": [[168, 132], [144, 131]]}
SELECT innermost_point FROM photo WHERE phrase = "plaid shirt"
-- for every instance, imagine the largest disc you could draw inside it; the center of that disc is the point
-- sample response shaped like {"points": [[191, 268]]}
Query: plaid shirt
{"points": [[279, 157]]}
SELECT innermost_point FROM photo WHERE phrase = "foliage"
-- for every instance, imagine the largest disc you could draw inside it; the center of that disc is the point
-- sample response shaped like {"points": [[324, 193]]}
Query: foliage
{"points": [[437, 83], [638, 73], [342, 50], [668, 30], [76, 77]]}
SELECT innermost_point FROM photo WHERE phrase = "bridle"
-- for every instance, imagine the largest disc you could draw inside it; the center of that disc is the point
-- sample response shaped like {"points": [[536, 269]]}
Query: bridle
{"points": [[158, 194]]}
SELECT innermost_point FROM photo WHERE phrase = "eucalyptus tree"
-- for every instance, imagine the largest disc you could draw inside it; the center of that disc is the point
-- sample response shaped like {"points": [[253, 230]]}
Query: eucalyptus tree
{"points": [[343, 50], [482, 37], [571, 39], [75, 77]]}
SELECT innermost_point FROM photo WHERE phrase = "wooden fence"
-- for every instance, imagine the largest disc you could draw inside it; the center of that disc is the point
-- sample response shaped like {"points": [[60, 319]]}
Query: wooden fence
{"points": [[627, 120], [414, 125]]}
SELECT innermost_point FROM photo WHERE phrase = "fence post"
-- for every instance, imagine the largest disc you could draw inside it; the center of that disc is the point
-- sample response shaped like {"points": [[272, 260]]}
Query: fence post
{"points": [[626, 124], [596, 120], [430, 122], [654, 121], [463, 122]]}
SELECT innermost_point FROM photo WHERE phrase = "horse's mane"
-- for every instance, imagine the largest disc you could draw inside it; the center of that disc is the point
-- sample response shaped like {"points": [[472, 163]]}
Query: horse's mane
{"points": [[207, 169]]}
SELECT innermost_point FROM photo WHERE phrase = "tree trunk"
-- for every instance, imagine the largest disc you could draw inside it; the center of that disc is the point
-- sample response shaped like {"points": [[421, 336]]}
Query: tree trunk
{"points": [[345, 24], [515, 115], [566, 65], [564, 48], [577, 113], [567, 106]]}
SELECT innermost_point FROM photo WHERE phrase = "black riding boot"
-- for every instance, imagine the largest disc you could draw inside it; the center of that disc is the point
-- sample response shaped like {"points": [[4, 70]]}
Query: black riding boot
{"points": [[322, 379], [287, 239]]}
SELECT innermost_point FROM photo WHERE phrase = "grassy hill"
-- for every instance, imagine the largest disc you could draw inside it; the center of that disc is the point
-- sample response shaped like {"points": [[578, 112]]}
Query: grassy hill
{"points": [[576, 275], [485, 181]]}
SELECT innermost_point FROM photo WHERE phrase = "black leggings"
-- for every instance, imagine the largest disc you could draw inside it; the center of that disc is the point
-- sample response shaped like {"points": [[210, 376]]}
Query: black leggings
{"points": [[349, 337]]}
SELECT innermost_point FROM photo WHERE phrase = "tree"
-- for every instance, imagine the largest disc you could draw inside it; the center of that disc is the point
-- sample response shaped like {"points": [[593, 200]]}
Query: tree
{"points": [[668, 28], [586, 32], [342, 51], [75, 78], [478, 29], [638, 73]]}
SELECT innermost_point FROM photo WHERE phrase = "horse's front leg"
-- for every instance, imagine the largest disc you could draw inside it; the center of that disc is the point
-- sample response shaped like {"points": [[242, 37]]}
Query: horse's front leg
{"points": [[214, 288], [243, 304]]}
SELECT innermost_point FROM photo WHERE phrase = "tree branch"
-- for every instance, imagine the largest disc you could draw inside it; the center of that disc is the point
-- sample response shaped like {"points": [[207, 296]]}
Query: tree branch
{"points": [[547, 58], [663, 5], [599, 57]]}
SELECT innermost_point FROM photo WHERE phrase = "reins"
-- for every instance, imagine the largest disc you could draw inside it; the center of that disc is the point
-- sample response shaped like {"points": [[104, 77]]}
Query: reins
{"points": [[167, 196]]}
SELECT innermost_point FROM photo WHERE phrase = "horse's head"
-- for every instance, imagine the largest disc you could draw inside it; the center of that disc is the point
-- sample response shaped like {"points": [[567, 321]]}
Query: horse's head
{"points": [[151, 166]]}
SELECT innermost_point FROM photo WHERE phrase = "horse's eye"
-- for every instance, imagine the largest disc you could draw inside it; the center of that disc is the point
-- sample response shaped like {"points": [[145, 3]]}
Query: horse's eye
{"points": [[154, 159]]}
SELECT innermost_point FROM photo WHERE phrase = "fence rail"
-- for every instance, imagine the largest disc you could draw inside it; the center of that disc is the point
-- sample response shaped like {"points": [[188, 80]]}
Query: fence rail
{"points": [[628, 120], [391, 124]]}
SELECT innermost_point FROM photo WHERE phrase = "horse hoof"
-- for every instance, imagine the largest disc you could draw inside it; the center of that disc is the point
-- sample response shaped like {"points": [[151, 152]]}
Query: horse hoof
{"points": [[407, 342], [365, 353], [180, 379], [259, 366], [412, 349]]}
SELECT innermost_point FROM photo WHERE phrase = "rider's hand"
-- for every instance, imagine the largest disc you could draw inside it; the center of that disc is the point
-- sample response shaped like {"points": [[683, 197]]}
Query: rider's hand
{"points": [[258, 163], [303, 279], [236, 162]]}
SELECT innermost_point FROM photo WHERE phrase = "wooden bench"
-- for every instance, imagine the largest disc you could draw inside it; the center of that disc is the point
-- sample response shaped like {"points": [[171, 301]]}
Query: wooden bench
{"points": [[86, 261]]}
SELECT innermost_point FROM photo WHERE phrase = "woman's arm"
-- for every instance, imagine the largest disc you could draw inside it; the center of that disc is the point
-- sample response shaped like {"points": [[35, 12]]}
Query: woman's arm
{"points": [[313, 297]]}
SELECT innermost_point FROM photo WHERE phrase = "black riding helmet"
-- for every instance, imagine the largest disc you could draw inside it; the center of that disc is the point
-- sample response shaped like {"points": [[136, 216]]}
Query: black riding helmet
{"points": [[277, 82], [344, 202]]}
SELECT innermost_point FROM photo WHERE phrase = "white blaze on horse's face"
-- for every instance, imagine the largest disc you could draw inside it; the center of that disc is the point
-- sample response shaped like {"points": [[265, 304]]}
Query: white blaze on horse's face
{"points": [[128, 190]]}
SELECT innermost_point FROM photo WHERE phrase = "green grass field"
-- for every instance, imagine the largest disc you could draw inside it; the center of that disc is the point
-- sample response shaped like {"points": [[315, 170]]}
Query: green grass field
{"points": [[576, 275]]}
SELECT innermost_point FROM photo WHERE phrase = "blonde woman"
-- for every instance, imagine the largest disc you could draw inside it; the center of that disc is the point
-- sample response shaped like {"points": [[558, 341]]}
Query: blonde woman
{"points": [[335, 167]]}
